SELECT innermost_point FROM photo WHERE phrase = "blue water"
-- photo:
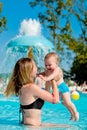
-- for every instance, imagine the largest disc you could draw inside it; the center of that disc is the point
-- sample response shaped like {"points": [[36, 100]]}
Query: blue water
{"points": [[9, 115]]}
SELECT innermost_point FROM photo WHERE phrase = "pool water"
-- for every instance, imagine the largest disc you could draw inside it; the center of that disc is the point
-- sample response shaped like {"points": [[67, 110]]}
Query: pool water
{"points": [[51, 113]]}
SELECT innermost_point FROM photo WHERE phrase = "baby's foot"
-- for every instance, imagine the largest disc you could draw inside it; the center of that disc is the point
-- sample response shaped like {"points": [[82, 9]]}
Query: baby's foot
{"points": [[76, 116]]}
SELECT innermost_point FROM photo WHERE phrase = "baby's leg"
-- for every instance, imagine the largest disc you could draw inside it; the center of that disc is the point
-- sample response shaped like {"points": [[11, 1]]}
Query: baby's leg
{"points": [[70, 110], [71, 107]]}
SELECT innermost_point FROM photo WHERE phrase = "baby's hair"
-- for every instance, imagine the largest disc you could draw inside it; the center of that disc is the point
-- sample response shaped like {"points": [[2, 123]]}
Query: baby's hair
{"points": [[52, 54]]}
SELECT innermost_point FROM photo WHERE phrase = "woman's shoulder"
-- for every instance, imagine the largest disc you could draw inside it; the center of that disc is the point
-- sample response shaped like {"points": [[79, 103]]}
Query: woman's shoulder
{"points": [[33, 88], [28, 86], [31, 85]]}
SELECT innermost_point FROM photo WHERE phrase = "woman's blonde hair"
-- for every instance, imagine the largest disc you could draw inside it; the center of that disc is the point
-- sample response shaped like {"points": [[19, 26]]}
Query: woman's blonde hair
{"points": [[52, 54], [21, 76]]}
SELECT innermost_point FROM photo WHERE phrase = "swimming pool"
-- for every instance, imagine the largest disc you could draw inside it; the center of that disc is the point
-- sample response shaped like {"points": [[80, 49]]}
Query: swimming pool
{"points": [[9, 115]]}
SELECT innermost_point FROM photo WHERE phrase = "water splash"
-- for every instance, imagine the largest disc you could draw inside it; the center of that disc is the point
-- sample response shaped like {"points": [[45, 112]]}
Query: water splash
{"points": [[29, 36], [30, 27]]}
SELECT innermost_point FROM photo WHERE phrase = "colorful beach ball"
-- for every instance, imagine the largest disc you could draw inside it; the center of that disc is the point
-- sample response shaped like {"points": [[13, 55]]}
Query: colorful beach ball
{"points": [[75, 95]]}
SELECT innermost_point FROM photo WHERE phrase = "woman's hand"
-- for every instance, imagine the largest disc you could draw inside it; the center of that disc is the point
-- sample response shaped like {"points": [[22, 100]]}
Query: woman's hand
{"points": [[55, 91]]}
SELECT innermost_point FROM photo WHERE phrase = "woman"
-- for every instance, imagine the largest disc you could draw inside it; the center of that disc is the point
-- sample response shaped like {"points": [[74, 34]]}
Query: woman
{"points": [[30, 95]]}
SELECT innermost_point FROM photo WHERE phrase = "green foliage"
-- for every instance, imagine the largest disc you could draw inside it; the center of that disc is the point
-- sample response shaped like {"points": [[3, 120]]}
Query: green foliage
{"points": [[2, 20], [51, 16], [56, 16], [79, 68]]}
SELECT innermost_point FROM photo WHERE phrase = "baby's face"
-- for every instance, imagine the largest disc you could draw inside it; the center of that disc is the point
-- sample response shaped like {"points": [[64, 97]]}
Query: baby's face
{"points": [[51, 64]]}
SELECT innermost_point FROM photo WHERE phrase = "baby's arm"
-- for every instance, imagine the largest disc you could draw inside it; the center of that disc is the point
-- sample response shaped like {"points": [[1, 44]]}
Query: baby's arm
{"points": [[54, 74]]}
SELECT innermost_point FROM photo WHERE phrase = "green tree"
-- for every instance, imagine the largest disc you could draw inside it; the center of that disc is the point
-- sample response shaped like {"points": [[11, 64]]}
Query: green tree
{"points": [[79, 66], [57, 18], [2, 20]]}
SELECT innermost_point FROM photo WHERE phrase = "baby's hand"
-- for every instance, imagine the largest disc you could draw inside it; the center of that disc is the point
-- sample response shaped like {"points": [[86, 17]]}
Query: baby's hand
{"points": [[43, 77], [37, 75]]}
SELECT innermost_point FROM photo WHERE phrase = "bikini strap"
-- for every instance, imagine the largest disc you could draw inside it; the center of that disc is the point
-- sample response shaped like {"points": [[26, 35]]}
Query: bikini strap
{"points": [[21, 111]]}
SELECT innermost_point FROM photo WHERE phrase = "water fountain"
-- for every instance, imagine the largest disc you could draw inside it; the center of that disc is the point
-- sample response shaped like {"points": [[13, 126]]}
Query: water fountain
{"points": [[29, 37], [20, 46]]}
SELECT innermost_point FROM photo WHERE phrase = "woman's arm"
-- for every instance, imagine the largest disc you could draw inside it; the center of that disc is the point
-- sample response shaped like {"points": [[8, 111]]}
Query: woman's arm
{"points": [[47, 96], [55, 91]]}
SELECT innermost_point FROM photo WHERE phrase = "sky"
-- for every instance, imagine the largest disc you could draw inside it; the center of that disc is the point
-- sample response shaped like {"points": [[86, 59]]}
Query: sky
{"points": [[16, 11]]}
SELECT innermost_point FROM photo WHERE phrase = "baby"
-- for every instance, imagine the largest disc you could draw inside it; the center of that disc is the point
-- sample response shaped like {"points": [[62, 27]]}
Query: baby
{"points": [[53, 71]]}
